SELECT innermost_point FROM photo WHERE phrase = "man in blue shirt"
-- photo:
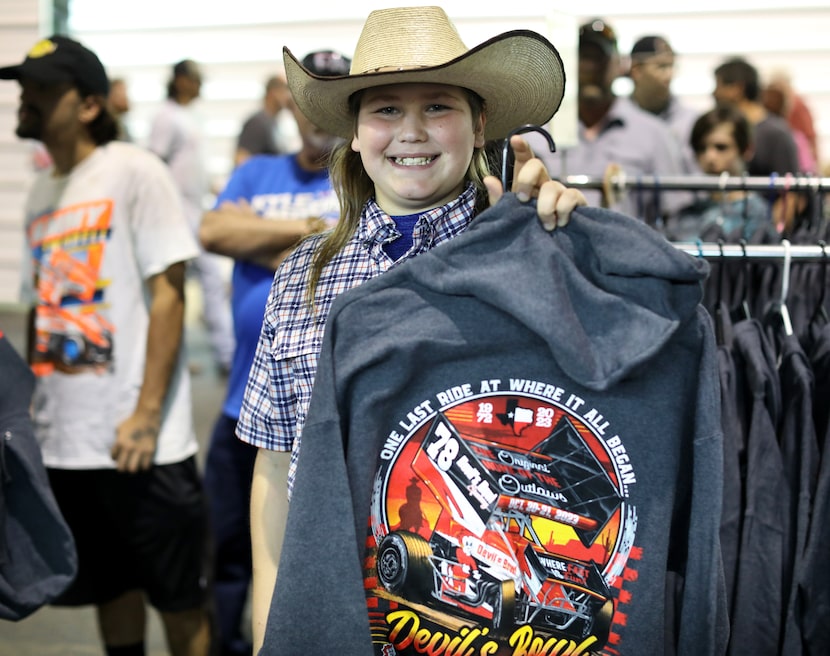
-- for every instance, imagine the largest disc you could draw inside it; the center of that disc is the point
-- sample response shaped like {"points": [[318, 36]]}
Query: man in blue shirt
{"points": [[268, 205]]}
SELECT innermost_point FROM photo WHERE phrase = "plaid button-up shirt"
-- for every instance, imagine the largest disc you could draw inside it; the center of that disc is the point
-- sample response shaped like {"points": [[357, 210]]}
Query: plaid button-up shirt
{"points": [[282, 374]]}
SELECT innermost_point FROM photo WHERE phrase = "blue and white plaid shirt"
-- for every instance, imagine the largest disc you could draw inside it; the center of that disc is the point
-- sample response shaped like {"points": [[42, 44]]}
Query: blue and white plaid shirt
{"points": [[279, 384]]}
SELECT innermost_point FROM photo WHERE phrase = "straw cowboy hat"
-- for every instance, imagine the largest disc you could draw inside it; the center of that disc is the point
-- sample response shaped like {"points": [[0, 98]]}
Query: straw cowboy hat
{"points": [[519, 74]]}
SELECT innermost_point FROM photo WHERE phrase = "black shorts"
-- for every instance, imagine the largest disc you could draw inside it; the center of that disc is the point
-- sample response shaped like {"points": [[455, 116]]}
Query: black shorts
{"points": [[144, 531]]}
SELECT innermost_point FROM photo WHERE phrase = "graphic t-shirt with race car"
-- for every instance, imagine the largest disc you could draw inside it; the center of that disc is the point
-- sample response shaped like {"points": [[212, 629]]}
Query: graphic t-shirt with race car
{"points": [[94, 237]]}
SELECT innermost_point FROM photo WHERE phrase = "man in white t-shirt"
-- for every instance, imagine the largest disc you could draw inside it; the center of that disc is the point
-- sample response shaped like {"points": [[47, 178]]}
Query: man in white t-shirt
{"points": [[177, 136], [106, 247]]}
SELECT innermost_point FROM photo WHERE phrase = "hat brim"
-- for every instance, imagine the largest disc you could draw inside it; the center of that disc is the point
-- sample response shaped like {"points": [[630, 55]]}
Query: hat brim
{"points": [[10, 72], [519, 74], [27, 70]]}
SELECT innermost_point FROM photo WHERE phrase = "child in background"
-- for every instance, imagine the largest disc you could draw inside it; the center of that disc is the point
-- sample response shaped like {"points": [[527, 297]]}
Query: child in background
{"points": [[722, 142]]}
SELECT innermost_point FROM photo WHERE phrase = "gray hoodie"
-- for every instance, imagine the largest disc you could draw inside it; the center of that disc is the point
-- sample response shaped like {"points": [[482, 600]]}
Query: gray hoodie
{"points": [[38, 560], [513, 444]]}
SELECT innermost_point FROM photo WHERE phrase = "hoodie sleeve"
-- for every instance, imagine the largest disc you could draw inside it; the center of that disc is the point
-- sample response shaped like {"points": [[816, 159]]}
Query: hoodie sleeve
{"points": [[319, 605], [703, 586]]}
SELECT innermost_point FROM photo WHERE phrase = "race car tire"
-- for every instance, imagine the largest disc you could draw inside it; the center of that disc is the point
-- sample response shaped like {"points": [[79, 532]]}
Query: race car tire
{"points": [[601, 626], [504, 606], [71, 349], [403, 564]]}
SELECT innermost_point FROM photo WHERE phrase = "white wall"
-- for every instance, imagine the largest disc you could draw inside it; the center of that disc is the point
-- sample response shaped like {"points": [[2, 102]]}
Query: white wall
{"points": [[20, 24], [239, 44]]}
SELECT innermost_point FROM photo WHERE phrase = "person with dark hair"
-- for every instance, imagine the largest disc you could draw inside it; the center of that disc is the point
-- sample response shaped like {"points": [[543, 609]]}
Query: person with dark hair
{"points": [[106, 247], [260, 134], [722, 142], [267, 206], [177, 136], [775, 152], [737, 83], [652, 71]]}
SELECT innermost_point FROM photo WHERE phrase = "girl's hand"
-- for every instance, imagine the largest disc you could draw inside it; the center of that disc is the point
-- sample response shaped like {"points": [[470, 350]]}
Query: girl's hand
{"points": [[554, 201]]}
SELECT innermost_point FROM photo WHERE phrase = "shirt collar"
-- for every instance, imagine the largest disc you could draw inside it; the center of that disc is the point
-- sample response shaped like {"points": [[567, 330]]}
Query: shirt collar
{"points": [[377, 226]]}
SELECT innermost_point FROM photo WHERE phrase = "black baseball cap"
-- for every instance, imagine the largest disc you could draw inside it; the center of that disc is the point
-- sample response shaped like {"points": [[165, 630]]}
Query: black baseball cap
{"points": [[327, 63], [648, 46], [59, 59], [187, 68], [599, 32]]}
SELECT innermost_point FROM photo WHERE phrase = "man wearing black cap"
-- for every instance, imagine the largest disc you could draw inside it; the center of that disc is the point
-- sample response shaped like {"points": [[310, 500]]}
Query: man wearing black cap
{"points": [[614, 132], [107, 244], [268, 205], [652, 71]]}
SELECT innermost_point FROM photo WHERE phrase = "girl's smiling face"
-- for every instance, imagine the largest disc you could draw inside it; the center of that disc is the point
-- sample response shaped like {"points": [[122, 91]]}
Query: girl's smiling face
{"points": [[416, 142]]}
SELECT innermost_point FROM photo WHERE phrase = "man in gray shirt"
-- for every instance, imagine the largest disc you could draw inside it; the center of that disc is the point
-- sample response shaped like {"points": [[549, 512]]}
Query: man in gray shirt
{"points": [[652, 71], [615, 135], [259, 132]]}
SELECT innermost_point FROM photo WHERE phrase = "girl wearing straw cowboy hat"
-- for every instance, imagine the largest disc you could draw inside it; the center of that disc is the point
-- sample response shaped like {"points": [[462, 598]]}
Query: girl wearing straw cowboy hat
{"points": [[415, 113]]}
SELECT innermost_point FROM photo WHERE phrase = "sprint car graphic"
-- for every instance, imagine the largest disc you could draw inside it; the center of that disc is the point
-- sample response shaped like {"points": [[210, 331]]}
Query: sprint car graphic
{"points": [[68, 328], [73, 338], [483, 556]]}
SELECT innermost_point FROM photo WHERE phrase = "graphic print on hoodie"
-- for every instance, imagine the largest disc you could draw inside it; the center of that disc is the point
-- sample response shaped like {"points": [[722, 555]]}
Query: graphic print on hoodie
{"points": [[508, 506]]}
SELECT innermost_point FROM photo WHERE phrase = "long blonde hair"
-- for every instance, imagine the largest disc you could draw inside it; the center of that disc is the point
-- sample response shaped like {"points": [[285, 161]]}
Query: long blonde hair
{"points": [[354, 188]]}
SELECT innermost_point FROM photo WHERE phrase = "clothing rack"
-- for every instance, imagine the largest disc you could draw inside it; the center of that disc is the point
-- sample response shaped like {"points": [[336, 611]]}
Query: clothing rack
{"points": [[774, 182], [778, 183], [757, 252]]}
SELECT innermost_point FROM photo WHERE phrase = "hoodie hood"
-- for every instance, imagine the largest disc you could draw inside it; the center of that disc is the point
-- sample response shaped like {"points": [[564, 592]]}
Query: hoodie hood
{"points": [[607, 290]]}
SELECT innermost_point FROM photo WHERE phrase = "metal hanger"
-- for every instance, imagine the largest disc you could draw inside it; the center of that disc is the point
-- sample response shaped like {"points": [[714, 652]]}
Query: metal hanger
{"points": [[508, 159], [785, 288], [773, 178], [741, 311], [820, 313], [720, 315]]}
